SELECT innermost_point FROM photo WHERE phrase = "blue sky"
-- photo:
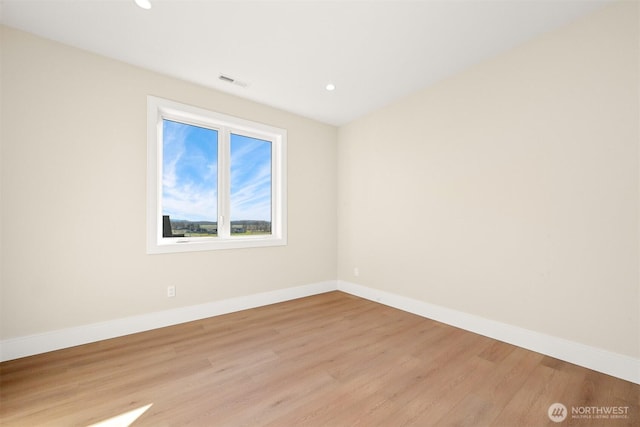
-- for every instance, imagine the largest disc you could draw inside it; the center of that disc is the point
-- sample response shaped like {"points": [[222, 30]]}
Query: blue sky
{"points": [[250, 178], [190, 170]]}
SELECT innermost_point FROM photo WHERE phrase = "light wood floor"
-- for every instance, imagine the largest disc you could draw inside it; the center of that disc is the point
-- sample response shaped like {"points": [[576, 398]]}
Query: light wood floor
{"points": [[326, 360]]}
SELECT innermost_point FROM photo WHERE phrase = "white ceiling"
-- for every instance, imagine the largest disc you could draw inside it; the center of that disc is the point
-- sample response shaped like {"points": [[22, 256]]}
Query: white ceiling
{"points": [[287, 51]]}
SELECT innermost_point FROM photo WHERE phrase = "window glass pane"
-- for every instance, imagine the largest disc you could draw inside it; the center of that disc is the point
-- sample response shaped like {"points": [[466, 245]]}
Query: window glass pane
{"points": [[250, 186], [189, 180]]}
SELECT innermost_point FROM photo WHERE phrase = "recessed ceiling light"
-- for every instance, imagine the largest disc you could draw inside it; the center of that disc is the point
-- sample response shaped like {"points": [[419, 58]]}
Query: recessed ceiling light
{"points": [[145, 4], [330, 87]]}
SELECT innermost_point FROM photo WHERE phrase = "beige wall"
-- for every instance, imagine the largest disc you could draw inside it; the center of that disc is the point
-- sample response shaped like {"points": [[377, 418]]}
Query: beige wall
{"points": [[73, 195], [509, 191]]}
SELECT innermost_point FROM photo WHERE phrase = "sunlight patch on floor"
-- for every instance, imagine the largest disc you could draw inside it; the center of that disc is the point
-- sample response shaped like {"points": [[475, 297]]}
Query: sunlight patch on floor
{"points": [[123, 420]]}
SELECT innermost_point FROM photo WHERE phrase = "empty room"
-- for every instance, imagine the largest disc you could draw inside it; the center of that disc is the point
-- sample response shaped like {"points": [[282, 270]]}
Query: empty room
{"points": [[319, 213]]}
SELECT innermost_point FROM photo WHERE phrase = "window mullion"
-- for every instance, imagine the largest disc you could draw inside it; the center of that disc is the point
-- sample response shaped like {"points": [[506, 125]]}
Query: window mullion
{"points": [[224, 183]]}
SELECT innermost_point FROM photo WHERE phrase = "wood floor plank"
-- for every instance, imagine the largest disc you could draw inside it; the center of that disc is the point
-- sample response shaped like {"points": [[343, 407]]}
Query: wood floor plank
{"points": [[327, 360]]}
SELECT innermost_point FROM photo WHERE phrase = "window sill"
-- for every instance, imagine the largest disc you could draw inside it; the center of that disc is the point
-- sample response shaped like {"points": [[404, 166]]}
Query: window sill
{"points": [[212, 244]]}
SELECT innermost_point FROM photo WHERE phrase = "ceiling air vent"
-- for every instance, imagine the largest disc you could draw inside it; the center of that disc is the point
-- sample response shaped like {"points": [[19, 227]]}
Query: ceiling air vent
{"points": [[232, 80]]}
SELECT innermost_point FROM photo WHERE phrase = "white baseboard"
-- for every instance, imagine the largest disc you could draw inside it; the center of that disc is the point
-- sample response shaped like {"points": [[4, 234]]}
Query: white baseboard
{"points": [[614, 364], [617, 365], [55, 340]]}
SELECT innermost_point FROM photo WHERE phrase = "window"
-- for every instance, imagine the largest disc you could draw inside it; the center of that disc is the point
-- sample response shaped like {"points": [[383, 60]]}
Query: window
{"points": [[214, 181]]}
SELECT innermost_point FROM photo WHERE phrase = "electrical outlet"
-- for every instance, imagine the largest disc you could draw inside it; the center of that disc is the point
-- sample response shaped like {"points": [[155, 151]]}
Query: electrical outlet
{"points": [[356, 271], [171, 291]]}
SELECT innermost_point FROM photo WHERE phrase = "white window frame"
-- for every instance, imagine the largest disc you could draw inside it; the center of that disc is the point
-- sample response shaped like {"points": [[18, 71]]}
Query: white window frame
{"points": [[159, 109]]}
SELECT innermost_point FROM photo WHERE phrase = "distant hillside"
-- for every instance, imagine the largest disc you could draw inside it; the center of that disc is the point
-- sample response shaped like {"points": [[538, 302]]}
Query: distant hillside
{"points": [[184, 223], [191, 228]]}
